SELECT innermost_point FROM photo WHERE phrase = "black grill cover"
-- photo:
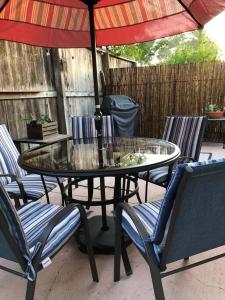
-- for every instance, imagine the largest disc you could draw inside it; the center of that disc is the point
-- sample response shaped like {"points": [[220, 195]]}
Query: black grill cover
{"points": [[125, 112]]}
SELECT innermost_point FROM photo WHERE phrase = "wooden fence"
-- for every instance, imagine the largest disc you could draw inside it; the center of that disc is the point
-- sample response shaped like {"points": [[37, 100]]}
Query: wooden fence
{"points": [[170, 89], [59, 82], [41, 81]]}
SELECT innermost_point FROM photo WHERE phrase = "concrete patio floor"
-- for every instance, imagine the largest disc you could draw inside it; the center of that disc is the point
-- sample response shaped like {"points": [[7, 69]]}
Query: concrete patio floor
{"points": [[68, 277]]}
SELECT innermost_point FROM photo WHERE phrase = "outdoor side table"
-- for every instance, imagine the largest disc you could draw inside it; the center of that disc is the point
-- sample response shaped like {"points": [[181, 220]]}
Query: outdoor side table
{"points": [[51, 139], [100, 158], [222, 122]]}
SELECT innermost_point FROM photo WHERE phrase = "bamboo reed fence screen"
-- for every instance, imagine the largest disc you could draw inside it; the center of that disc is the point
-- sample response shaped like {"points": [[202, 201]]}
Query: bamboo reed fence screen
{"points": [[171, 90]]}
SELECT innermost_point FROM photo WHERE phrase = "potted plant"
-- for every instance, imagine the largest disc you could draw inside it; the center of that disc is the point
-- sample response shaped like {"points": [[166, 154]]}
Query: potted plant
{"points": [[214, 111], [41, 128]]}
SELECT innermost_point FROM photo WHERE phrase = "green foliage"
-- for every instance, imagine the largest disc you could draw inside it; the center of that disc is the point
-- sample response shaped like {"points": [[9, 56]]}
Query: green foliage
{"points": [[179, 49], [198, 48], [141, 53], [42, 119], [213, 108]]}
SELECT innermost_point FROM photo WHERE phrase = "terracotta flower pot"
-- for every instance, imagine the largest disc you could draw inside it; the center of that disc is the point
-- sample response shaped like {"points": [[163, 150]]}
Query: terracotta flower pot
{"points": [[215, 114]]}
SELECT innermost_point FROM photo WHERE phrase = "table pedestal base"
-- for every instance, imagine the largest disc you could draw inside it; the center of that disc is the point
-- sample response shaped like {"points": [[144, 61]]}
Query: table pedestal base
{"points": [[103, 240]]}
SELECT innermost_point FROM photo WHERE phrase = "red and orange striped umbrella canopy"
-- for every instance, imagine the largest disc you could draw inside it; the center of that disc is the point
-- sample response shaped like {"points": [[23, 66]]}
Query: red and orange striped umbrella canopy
{"points": [[65, 23]]}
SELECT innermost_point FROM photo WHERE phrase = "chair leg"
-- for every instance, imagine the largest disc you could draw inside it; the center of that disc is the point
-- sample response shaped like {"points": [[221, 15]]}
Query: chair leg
{"points": [[120, 248], [128, 186], [117, 254], [125, 257], [157, 284], [70, 188], [123, 187], [30, 290], [136, 185], [45, 188], [90, 190], [90, 252], [17, 202], [146, 187], [61, 187]]}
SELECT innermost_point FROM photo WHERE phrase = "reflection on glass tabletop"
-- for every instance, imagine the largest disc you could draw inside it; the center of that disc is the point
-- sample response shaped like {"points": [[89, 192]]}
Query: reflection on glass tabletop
{"points": [[106, 155]]}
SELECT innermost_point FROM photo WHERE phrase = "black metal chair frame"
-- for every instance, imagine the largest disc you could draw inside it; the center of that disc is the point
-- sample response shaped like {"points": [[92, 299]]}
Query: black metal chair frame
{"points": [[36, 261], [157, 270]]}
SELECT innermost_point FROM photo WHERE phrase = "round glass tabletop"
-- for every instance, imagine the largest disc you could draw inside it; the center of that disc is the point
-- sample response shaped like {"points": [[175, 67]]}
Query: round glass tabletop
{"points": [[96, 157]]}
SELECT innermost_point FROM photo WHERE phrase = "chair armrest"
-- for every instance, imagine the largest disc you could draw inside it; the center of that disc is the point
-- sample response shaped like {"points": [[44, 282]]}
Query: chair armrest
{"points": [[142, 232], [19, 183], [33, 262]]}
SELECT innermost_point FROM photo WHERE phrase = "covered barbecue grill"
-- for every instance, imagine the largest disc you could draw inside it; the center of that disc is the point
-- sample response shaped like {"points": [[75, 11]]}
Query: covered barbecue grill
{"points": [[125, 112]]}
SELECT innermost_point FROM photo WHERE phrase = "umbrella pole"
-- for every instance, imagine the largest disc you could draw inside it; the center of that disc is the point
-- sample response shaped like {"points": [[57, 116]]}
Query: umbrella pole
{"points": [[98, 114], [3, 4]]}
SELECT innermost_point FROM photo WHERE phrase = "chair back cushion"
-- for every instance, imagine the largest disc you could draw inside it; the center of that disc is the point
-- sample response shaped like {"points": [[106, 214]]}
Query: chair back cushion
{"points": [[107, 126], [83, 127], [9, 153], [197, 221], [10, 226], [3, 170], [187, 133], [167, 204]]}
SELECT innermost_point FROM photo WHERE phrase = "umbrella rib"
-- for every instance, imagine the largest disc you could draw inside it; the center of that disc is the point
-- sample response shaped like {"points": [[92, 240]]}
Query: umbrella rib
{"points": [[190, 13]]}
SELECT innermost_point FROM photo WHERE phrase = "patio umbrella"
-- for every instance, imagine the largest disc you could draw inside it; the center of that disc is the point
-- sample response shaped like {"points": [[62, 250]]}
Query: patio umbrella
{"points": [[87, 23]]}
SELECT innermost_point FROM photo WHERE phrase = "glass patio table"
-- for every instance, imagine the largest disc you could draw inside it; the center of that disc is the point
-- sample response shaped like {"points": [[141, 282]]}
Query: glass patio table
{"points": [[121, 158]]}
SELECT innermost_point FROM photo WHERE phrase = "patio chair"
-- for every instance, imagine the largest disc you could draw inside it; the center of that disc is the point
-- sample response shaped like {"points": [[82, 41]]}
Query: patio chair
{"points": [[17, 182], [187, 133], [34, 233], [83, 127], [188, 221]]}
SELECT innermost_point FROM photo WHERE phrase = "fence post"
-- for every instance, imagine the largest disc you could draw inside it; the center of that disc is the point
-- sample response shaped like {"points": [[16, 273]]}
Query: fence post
{"points": [[60, 89], [105, 69]]}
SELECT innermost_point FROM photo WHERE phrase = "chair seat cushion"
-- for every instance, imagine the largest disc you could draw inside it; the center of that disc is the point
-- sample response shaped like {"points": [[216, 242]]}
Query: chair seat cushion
{"points": [[148, 215], [157, 176], [35, 216], [33, 186]]}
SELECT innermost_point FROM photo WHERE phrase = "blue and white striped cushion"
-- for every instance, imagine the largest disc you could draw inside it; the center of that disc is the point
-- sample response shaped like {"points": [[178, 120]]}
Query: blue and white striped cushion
{"points": [[186, 132], [34, 218], [33, 186], [148, 214], [10, 153], [107, 127], [4, 170], [83, 127], [158, 176]]}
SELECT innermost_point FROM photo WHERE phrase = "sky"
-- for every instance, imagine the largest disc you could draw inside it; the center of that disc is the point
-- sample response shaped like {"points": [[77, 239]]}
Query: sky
{"points": [[215, 29]]}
